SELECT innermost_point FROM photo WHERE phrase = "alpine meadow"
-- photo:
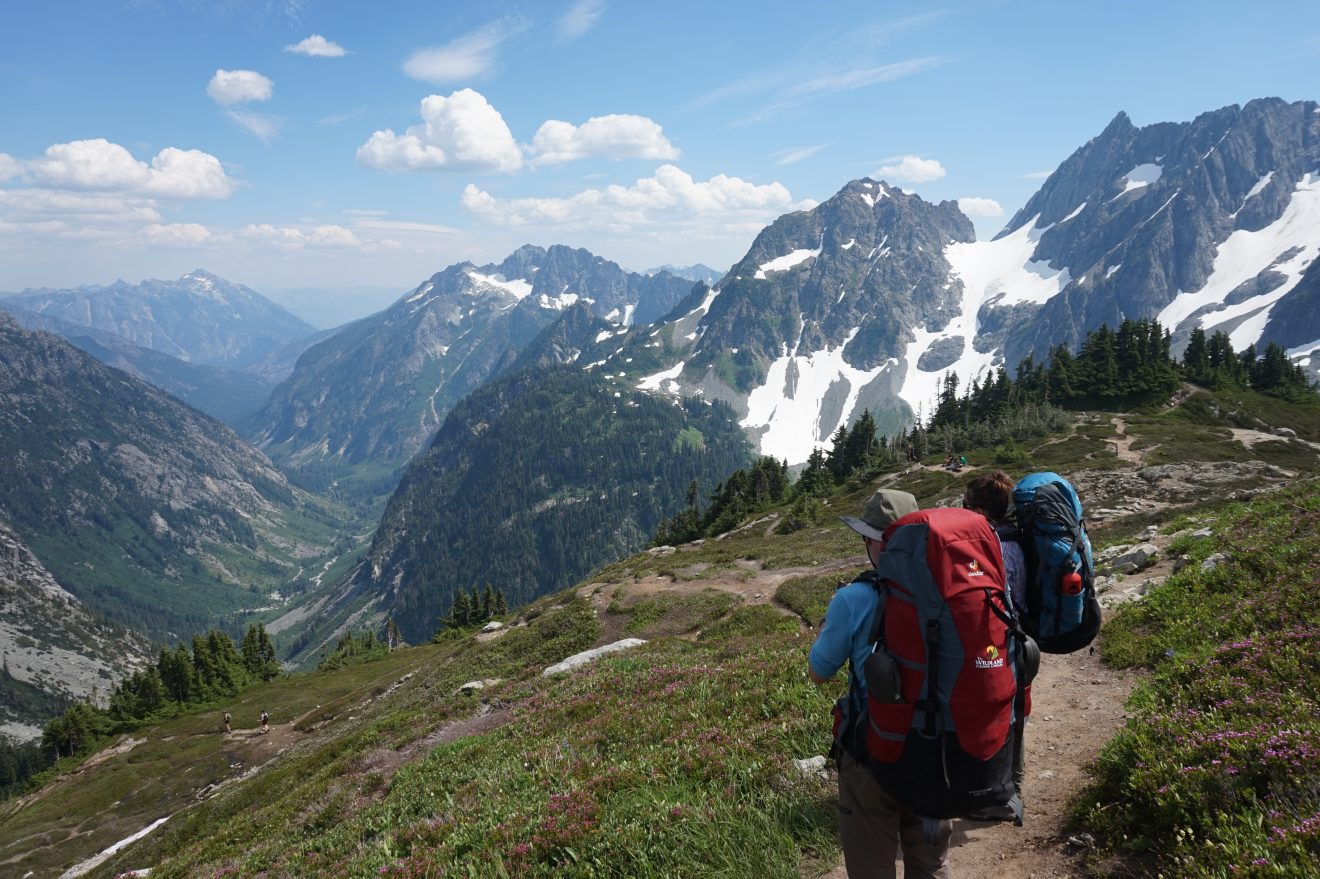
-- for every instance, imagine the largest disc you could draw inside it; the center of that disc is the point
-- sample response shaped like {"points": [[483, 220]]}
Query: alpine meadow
{"points": [[584, 439]]}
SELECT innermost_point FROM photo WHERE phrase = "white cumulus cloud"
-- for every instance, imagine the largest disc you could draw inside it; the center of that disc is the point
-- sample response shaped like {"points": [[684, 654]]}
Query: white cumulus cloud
{"points": [[175, 234], [980, 207], [229, 87], [612, 137], [467, 57], [100, 164], [327, 237], [579, 18], [317, 46], [671, 193], [462, 132], [912, 169], [9, 167]]}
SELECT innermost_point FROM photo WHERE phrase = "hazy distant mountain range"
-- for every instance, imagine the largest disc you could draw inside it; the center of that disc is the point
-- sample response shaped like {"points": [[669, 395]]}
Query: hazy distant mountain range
{"points": [[694, 272]]}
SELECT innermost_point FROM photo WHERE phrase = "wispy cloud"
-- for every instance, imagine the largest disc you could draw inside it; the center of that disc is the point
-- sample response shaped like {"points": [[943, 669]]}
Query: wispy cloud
{"points": [[840, 81], [816, 70], [340, 118], [1037, 175], [797, 154], [264, 126], [468, 57], [580, 17]]}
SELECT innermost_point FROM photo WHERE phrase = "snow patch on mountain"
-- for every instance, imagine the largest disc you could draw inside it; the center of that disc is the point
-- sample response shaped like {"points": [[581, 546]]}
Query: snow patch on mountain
{"points": [[421, 292], [793, 396], [665, 380], [1244, 255], [557, 303], [1002, 272], [1077, 210], [1140, 176], [784, 263], [519, 289]]}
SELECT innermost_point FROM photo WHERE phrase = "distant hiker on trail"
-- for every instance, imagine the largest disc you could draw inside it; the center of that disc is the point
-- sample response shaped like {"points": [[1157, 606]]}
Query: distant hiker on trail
{"points": [[265, 722], [992, 497], [872, 826], [226, 722]]}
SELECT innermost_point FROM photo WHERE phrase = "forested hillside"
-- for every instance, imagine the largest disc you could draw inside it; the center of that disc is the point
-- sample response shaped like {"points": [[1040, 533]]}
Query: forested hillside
{"points": [[534, 480]]}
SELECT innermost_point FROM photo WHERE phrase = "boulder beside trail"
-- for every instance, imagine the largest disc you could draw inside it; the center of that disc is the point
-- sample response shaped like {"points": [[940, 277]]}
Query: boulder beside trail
{"points": [[587, 656]]}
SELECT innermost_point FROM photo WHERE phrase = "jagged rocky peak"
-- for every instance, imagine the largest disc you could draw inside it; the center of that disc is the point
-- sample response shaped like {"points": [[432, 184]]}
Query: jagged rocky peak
{"points": [[1208, 223], [863, 216]]}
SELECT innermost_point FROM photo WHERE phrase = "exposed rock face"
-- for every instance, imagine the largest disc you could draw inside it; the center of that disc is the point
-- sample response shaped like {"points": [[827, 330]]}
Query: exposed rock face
{"points": [[50, 641], [376, 392], [198, 318]]}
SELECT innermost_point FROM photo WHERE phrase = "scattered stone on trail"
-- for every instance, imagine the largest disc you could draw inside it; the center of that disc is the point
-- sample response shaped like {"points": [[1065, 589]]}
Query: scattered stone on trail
{"points": [[492, 626], [1105, 584], [1150, 533], [587, 656], [1213, 561], [812, 766], [1286, 432], [1181, 562], [1109, 553], [661, 550], [1135, 558], [1203, 532]]}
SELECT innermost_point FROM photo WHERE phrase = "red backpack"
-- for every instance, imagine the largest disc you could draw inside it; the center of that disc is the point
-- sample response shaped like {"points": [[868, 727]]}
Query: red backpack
{"points": [[947, 678]]}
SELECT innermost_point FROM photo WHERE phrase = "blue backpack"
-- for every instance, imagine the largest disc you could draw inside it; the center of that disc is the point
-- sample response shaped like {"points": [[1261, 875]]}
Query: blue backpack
{"points": [[1063, 612]]}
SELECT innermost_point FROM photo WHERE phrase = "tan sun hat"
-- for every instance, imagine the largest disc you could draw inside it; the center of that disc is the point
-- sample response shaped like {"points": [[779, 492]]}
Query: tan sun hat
{"points": [[884, 508]]}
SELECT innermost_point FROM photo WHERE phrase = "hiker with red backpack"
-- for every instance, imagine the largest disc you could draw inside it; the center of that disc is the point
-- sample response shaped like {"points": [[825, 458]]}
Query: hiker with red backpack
{"points": [[873, 826], [939, 667]]}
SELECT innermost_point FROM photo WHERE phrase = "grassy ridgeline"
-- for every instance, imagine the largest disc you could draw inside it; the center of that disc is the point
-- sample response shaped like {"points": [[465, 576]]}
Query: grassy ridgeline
{"points": [[1218, 772]]}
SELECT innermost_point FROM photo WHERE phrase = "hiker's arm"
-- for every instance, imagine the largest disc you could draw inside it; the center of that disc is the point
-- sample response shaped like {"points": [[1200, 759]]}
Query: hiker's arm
{"points": [[834, 643]]}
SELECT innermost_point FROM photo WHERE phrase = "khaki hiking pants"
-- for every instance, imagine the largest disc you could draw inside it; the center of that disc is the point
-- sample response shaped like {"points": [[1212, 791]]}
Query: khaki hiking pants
{"points": [[873, 828]]}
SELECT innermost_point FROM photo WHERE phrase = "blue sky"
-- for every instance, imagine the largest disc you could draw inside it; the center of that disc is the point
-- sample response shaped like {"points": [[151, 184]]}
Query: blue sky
{"points": [[304, 143]]}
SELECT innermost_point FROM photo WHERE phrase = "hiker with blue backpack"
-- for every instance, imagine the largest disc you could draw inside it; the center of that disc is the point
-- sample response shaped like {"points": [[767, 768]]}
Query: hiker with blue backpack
{"points": [[873, 826], [992, 497]]}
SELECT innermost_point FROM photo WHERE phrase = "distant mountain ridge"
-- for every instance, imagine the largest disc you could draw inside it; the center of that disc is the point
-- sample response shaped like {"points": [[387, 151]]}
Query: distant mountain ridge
{"points": [[227, 394], [373, 394], [694, 272], [199, 318]]}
